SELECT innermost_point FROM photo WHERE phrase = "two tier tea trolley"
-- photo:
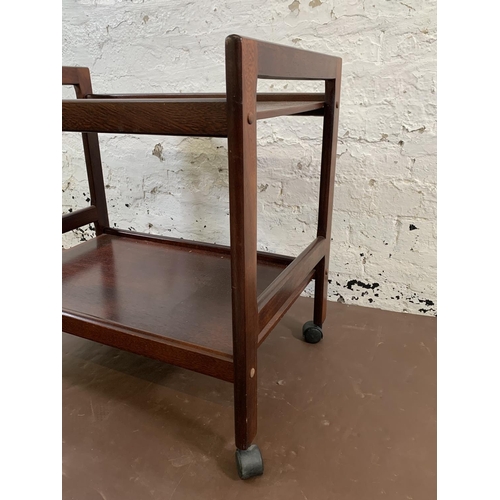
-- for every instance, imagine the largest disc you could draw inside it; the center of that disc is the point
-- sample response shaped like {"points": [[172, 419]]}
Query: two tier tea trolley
{"points": [[200, 306]]}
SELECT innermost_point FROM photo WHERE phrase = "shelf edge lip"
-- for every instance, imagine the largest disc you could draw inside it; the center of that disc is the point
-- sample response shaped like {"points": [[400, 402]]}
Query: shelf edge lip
{"points": [[278, 297], [136, 332], [261, 96], [146, 116], [196, 359], [264, 333], [290, 108], [265, 258]]}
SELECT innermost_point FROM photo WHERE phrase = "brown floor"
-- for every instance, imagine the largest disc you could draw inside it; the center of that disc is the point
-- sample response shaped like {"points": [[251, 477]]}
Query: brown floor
{"points": [[351, 418]]}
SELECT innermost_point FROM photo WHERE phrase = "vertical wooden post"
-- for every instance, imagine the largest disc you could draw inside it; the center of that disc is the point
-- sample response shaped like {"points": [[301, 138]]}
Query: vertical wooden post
{"points": [[80, 79], [328, 161], [241, 83]]}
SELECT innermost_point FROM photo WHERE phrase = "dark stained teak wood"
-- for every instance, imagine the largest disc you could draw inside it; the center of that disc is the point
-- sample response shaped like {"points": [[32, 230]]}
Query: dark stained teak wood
{"points": [[161, 295], [80, 79], [79, 218], [168, 116], [328, 159], [196, 305], [241, 86]]}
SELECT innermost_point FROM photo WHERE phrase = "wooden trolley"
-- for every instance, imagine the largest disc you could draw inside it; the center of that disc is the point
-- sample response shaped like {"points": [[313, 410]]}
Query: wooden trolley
{"points": [[203, 307]]}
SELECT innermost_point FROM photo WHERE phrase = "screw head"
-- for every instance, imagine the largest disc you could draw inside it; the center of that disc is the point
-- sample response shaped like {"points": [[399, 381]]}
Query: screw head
{"points": [[250, 118]]}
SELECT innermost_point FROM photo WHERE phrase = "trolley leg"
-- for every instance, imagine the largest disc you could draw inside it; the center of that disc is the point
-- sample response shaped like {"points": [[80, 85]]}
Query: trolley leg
{"points": [[248, 457], [320, 292], [241, 83], [312, 329]]}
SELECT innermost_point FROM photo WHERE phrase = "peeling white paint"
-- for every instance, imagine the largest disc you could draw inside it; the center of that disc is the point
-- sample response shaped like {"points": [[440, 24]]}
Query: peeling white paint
{"points": [[386, 173]]}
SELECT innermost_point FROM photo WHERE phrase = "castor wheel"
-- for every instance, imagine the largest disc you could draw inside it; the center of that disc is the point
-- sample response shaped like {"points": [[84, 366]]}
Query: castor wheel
{"points": [[249, 462], [312, 333]]}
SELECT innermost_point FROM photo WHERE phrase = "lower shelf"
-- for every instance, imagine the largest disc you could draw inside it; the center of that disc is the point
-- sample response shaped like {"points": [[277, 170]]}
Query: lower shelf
{"points": [[163, 301]]}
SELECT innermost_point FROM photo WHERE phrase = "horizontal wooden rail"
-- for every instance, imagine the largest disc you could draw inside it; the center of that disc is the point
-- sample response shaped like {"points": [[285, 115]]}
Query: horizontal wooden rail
{"points": [[289, 63], [79, 218], [268, 109], [261, 97], [267, 257], [274, 301], [164, 349], [279, 62], [184, 117]]}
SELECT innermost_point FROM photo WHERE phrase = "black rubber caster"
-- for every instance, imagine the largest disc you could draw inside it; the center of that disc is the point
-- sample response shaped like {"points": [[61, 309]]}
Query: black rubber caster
{"points": [[312, 333], [249, 462]]}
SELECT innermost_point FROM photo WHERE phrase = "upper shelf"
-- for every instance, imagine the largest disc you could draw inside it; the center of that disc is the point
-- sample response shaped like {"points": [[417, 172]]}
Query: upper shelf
{"points": [[174, 114]]}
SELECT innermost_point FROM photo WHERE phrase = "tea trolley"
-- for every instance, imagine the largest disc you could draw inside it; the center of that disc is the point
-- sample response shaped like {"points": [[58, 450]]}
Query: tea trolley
{"points": [[200, 306]]}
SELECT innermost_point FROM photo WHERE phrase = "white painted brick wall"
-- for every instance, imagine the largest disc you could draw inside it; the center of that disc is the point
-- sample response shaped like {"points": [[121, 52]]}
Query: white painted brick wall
{"points": [[386, 169]]}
